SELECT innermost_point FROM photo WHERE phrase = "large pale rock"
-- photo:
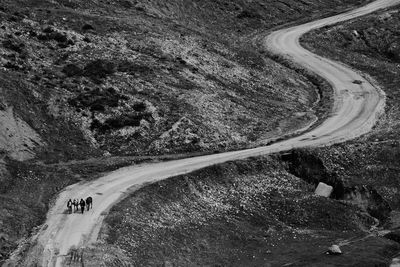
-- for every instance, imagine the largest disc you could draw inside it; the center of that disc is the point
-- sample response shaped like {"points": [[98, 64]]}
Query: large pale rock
{"points": [[334, 250], [323, 190], [395, 262]]}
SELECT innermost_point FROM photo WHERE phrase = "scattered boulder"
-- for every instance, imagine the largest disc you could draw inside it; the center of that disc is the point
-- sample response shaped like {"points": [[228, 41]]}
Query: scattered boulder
{"points": [[357, 82], [334, 250], [355, 33], [323, 190]]}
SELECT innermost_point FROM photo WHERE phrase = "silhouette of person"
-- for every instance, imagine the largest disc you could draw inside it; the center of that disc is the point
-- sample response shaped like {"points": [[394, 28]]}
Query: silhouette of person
{"points": [[82, 203], [89, 203], [69, 206]]}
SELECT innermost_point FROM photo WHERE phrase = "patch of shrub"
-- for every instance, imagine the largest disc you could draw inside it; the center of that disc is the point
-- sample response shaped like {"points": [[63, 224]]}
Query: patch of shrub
{"points": [[132, 119], [14, 45], [139, 107], [87, 27], [12, 66], [72, 70], [140, 8], [249, 14], [133, 68], [97, 100], [250, 58], [99, 69], [51, 33], [126, 4], [181, 61], [393, 52]]}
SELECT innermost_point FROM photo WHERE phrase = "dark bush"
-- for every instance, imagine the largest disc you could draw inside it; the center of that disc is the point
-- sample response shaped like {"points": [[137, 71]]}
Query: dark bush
{"points": [[87, 27], [72, 70], [393, 52], [14, 19], [120, 122], [48, 29], [249, 14], [126, 120], [14, 45], [87, 39], [181, 61], [99, 68], [126, 4], [97, 106], [133, 68], [96, 124], [51, 33], [43, 37], [12, 66], [139, 107], [59, 37], [97, 100]]}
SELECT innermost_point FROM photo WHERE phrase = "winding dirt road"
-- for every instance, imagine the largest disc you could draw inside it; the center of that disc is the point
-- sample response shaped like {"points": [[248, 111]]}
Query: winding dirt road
{"points": [[356, 108]]}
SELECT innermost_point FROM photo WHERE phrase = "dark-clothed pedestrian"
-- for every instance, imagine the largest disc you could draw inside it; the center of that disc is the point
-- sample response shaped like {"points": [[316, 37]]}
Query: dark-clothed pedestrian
{"points": [[89, 203], [82, 204], [69, 206]]}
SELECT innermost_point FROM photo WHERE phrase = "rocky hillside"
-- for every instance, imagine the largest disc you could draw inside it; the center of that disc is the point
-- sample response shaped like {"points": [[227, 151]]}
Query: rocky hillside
{"points": [[146, 77], [83, 79], [244, 227]]}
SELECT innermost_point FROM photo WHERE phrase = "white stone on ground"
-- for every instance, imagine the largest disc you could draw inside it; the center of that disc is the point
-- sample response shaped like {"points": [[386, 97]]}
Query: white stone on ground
{"points": [[323, 190], [334, 250]]}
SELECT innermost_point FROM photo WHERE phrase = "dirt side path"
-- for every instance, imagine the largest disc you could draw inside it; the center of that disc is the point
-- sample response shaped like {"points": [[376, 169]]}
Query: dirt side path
{"points": [[356, 107]]}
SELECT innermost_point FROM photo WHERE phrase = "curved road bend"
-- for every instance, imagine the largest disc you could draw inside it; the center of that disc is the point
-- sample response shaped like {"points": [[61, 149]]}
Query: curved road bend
{"points": [[355, 110]]}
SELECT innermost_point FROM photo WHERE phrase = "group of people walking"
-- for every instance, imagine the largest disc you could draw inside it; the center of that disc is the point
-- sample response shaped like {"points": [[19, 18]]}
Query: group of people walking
{"points": [[76, 203]]}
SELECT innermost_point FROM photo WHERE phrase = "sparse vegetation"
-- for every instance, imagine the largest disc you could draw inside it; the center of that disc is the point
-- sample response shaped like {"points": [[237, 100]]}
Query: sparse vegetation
{"points": [[250, 212], [155, 77]]}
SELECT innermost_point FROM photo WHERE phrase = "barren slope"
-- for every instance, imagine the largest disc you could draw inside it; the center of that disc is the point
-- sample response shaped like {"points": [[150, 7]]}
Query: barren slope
{"points": [[354, 113], [91, 78]]}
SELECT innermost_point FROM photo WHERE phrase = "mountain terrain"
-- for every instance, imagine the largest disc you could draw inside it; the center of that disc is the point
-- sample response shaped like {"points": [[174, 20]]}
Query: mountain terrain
{"points": [[229, 214], [90, 86]]}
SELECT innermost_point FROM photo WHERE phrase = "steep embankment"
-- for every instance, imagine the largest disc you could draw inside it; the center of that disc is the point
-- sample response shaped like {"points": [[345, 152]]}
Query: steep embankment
{"points": [[355, 114]]}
